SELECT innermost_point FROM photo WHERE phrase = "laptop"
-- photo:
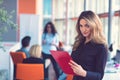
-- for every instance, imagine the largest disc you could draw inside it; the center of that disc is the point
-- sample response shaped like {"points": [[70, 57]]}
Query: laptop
{"points": [[63, 58]]}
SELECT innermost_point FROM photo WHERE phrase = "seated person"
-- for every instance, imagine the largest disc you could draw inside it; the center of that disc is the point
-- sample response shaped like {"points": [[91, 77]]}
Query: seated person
{"points": [[25, 44], [35, 55]]}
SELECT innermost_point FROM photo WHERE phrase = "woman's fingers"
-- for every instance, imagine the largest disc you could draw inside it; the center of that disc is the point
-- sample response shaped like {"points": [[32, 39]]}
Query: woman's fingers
{"points": [[77, 69], [73, 63], [72, 66]]}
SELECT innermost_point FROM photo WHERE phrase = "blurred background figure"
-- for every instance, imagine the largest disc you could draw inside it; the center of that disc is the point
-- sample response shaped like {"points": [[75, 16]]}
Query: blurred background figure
{"points": [[35, 55], [50, 41], [25, 44]]}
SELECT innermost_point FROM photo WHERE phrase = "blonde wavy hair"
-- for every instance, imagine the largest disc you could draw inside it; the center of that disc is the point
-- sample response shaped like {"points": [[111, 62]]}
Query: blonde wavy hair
{"points": [[96, 28], [35, 51]]}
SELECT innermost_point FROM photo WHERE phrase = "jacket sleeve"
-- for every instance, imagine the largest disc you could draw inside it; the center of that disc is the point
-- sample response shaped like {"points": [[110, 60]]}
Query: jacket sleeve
{"points": [[101, 59]]}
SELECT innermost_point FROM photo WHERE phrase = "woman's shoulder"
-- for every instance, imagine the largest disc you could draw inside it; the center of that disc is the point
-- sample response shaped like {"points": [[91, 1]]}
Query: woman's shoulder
{"points": [[56, 34], [43, 34], [101, 47], [98, 44]]}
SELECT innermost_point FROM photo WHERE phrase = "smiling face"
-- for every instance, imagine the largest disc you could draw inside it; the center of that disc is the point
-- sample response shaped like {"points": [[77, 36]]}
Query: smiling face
{"points": [[84, 28]]}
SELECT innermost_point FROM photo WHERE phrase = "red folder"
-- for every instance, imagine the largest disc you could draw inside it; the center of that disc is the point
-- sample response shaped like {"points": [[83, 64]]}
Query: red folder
{"points": [[63, 58]]}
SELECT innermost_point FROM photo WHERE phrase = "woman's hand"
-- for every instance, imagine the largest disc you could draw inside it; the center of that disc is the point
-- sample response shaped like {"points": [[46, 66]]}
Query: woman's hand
{"points": [[77, 69]]}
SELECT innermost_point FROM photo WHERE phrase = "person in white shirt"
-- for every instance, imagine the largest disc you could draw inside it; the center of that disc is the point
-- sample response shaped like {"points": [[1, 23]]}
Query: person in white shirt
{"points": [[50, 41]]}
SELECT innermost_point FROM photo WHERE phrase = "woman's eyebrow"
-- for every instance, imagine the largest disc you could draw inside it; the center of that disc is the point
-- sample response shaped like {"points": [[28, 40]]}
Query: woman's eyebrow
{"points": [[86, 24], [80, 25]]}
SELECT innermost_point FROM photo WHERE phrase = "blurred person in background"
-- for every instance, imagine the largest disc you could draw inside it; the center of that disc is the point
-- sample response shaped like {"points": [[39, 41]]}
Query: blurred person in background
{"points": [[50, 41], [35, 55], [25, 44]]}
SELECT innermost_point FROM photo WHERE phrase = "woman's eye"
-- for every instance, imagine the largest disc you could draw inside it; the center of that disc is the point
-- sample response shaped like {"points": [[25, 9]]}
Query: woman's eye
{"points": [[80, 26], [87, 25]]}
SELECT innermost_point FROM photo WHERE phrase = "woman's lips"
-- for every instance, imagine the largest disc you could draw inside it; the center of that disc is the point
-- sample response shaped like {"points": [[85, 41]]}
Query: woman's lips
{"points": [[85, 32]]}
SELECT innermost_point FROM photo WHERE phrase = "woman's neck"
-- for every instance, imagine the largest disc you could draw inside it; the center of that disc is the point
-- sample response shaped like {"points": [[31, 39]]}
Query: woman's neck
{"points": [[49, 32], [87, 40]]}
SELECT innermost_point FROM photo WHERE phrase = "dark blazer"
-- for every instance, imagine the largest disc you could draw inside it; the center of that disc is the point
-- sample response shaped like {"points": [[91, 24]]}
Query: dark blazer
{"points": [[92, 57], [33, 60]]}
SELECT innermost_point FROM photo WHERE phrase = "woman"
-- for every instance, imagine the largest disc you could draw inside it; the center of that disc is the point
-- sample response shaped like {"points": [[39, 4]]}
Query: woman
{"points": [[90, 48], [50, 41], [49, 38], [35, 55]]}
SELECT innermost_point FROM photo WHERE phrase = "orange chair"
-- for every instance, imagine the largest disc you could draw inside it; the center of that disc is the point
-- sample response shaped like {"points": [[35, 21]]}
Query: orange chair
{"points": [[30, 72], [69, 77], [17, 57]]}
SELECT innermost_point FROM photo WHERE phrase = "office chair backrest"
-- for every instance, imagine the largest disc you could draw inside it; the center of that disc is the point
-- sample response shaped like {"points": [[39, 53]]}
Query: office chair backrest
{"points": [[17, 57], [30, 71], [69, 77]]}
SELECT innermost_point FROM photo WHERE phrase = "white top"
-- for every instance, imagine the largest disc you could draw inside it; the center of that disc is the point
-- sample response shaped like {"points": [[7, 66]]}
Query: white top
{"points": [[49, 40]]}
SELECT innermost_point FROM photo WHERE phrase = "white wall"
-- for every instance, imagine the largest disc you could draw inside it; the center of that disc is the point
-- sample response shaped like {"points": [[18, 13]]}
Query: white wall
{"points": [[29, 25], [5, 58]]}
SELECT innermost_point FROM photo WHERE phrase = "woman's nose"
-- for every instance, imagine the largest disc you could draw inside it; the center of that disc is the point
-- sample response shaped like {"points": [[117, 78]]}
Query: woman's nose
{"points": [[83, 29]]}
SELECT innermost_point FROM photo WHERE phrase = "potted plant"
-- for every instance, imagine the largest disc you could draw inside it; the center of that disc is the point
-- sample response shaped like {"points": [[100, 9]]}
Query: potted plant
{"points": [[5, 22]]}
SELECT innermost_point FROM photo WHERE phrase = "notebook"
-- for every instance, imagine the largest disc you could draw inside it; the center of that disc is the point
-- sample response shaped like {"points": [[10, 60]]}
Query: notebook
{"points": [[63, 58]]}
